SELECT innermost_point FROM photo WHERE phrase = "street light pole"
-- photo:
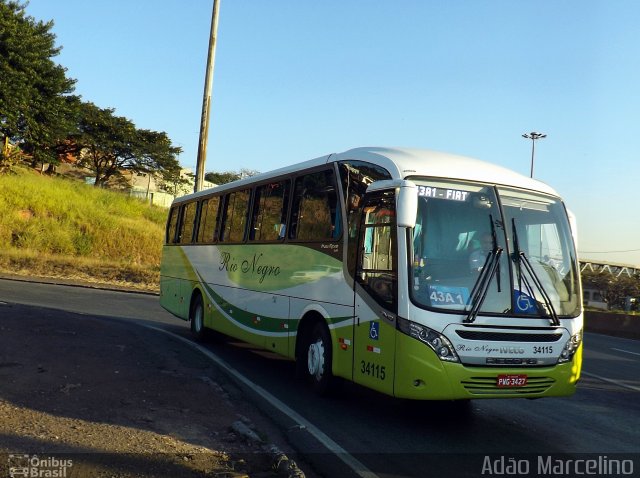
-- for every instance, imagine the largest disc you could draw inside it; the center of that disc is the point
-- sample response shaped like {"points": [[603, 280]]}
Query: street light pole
{"points": [[533, 136], [206, 100]]}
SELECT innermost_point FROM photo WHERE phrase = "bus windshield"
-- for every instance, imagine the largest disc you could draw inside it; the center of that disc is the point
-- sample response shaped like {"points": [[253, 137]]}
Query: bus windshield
{"points": [[463, 230], [543, 254]]}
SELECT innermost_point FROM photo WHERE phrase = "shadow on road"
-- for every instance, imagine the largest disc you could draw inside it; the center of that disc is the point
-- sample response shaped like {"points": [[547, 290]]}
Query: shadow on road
{"points": [[115, 395]]}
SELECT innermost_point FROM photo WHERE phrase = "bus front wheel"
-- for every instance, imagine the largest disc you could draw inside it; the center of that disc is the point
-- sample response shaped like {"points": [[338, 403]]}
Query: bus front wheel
{"points": [[319, 359], [196, 317]]}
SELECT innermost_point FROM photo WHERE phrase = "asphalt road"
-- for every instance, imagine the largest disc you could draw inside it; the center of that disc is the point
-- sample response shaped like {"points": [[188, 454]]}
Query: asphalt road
{"points": [[399, 438]]}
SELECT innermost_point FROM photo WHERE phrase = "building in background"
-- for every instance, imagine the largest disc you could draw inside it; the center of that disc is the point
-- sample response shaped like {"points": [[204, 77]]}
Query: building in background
{"points": [[151, 186]]}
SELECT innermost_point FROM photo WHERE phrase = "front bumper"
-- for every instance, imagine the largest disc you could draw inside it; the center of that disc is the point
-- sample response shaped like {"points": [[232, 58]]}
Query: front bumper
{"points": [[421, 375]]}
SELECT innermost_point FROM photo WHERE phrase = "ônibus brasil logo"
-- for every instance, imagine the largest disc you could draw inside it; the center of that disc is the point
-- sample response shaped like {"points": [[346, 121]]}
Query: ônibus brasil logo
{"points": [[32, 466]]}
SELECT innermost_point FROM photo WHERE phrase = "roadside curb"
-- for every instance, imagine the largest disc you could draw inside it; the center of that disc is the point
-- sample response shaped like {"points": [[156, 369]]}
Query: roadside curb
{"points": [[331, 446], [76, 283], [280, 463]]}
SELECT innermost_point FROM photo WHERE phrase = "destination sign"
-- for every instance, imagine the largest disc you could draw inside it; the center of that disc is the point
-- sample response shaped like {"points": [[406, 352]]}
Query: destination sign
{"points": [[443, 193]]}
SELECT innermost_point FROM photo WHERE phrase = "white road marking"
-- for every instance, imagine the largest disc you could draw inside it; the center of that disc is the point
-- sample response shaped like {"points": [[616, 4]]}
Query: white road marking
{"points": [[625, 351], [615, 382], [319, 435]]}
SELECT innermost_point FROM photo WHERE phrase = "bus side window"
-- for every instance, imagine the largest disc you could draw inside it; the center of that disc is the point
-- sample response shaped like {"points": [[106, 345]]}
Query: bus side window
{"points": [[270, 212], [315, 215], [377, 270], [208, 216], [172, 225], [235, 216], [185, 234]]}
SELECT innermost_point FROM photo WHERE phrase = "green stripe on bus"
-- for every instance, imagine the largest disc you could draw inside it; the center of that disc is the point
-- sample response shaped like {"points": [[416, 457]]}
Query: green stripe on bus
{"points": [[257, 322]]}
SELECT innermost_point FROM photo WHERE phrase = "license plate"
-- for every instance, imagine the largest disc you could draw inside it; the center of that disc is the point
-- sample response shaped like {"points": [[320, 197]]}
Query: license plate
{"points": [[510, 381]]}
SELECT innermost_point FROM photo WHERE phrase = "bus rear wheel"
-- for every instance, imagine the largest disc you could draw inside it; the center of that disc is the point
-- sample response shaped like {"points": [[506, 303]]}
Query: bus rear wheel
{"points": [[319, 359], [196, 317]]}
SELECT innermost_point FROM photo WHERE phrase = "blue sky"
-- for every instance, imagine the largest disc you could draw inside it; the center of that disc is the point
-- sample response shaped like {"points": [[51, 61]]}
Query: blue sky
{"points": [[296, 79]]}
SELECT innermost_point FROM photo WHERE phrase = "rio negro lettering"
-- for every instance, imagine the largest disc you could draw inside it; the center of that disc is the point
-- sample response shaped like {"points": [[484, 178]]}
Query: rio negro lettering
{"points": [[251, 266]]}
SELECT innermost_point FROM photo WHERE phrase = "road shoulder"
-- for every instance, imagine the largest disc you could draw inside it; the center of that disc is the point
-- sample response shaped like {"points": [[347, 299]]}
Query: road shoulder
{"points": [[122, 401]]}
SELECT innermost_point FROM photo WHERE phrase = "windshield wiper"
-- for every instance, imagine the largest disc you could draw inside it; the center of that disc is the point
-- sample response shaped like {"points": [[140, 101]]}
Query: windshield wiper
{"points": [[520, 258], [489, 270], [481, 288], [494, 238]]}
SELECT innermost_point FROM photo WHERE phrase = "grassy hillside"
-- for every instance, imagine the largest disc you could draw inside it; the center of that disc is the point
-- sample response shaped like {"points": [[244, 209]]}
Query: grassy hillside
{"points": [[52, 227]]}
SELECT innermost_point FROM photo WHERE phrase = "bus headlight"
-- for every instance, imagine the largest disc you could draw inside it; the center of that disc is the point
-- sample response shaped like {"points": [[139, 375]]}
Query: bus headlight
{"points": [[570, 348], [437, 342]]}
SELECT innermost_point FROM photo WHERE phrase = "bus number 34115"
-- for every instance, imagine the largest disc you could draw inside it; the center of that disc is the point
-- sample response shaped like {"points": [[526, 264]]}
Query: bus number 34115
{"points": [[373, 370]]}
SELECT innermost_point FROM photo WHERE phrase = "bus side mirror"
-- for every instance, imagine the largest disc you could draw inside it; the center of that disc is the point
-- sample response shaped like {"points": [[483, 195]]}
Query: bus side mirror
{"points": [[406, 204]]}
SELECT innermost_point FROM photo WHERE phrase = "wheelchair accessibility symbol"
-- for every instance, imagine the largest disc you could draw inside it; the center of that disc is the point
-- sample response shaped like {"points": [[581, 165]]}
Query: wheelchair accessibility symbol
{"points": [[374, 330], [524, 303]]}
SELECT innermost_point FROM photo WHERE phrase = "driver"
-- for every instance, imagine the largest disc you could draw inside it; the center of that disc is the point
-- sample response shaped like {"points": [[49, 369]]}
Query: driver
{"points": [[478, 257]]}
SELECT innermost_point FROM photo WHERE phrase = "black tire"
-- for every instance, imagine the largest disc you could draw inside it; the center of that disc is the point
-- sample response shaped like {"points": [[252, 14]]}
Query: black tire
{"points": [[317, 356], [196, 317]]}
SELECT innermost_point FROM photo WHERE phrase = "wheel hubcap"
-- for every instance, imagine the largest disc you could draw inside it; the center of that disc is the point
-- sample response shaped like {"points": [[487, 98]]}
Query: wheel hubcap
{"points": [[197, 319], [315, 359]]}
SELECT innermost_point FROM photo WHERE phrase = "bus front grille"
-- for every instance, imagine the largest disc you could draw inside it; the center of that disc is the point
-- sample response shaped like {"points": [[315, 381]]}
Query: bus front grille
{"points": [[508, 337], [488, 386]]}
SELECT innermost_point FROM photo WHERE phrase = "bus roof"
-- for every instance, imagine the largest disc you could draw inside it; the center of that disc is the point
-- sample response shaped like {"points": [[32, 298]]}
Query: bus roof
{"points": [[402, 163], [406, 162]]}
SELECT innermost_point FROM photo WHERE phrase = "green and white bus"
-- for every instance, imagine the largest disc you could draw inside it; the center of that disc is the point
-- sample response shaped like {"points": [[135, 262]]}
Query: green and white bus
{"points": [[419, 274]]}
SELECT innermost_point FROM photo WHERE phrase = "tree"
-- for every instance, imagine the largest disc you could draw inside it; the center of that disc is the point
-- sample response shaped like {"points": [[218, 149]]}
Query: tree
{"points": [[222, 177], [35, 110], [229, 176], [613, 289], [154, 151], [110, 144], [625, 286]]}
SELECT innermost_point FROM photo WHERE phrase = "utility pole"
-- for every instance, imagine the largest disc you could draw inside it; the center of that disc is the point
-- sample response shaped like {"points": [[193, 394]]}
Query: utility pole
{"points": [[206, 100], [533, 136]]}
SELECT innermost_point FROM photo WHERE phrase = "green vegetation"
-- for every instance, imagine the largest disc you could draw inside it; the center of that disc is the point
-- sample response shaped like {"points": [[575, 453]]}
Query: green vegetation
{"points": [[57, 228], [229, 176], [52, 227], [35, 97], [41, 121]]}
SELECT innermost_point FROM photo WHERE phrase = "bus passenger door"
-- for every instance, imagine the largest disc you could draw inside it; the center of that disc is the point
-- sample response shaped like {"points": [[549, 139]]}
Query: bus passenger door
{"points": [[376, 294]]}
